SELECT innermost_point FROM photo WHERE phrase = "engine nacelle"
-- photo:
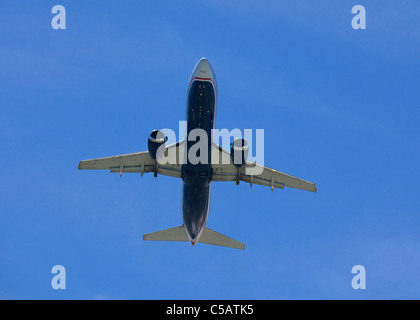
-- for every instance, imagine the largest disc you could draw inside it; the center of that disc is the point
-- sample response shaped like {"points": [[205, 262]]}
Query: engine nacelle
{"points": [[155, 141], [239, 152]]}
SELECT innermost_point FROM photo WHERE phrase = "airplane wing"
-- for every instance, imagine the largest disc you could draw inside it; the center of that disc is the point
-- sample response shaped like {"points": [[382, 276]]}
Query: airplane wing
{"points": [[225, 170], [140, 162]]}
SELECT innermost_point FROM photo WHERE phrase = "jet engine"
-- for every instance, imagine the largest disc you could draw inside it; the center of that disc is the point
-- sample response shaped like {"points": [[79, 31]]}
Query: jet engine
{"points": [[239, 152], [155, 141]]}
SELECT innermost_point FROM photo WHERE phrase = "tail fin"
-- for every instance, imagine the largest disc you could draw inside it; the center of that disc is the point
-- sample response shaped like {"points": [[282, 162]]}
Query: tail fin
{"points": [[208, 236]]}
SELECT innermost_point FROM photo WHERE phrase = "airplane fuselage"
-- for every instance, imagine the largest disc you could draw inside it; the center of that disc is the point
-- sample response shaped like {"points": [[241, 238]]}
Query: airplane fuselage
{"points": [[197, 177]]}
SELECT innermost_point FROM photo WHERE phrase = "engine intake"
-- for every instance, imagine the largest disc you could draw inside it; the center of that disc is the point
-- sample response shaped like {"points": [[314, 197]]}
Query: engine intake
{"points": [[155, 141], [239, 152]]}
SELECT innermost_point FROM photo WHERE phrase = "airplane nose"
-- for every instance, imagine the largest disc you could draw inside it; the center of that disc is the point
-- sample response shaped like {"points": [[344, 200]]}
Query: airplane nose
{"points": [[203, 69]]}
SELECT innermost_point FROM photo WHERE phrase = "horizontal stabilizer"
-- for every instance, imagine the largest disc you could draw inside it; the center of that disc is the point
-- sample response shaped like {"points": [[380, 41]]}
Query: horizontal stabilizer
{"points": [[208, 236], [212, 237], [173, 234]]}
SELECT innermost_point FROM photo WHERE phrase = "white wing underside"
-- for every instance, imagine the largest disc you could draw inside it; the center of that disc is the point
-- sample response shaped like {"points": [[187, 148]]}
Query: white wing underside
{"points": [[223, 168], [139, 162]]}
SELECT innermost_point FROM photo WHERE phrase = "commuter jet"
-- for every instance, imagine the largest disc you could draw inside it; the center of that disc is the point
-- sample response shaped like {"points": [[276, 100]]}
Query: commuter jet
{"points": [[197, 177]]}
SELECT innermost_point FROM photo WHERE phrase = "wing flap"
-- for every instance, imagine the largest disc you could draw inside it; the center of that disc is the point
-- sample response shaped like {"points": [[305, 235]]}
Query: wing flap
{"points": [[131, 162], [273, 178]]}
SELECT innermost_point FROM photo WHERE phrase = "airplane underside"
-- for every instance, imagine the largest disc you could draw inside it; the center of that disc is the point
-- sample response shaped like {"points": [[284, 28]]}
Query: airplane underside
{"points": [[197, 177]]}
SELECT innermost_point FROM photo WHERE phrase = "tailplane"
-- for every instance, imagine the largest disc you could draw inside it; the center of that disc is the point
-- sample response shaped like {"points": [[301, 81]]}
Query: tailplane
{"points": [[212, 237], [208, 236], [173, 234]]}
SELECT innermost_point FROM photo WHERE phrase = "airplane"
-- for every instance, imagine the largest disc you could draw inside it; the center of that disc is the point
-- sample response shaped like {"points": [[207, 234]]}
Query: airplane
{"points": [[197, 178]]}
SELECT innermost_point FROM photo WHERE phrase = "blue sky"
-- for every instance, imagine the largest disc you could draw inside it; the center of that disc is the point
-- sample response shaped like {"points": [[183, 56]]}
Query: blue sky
{"points": [[340, 107]]}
